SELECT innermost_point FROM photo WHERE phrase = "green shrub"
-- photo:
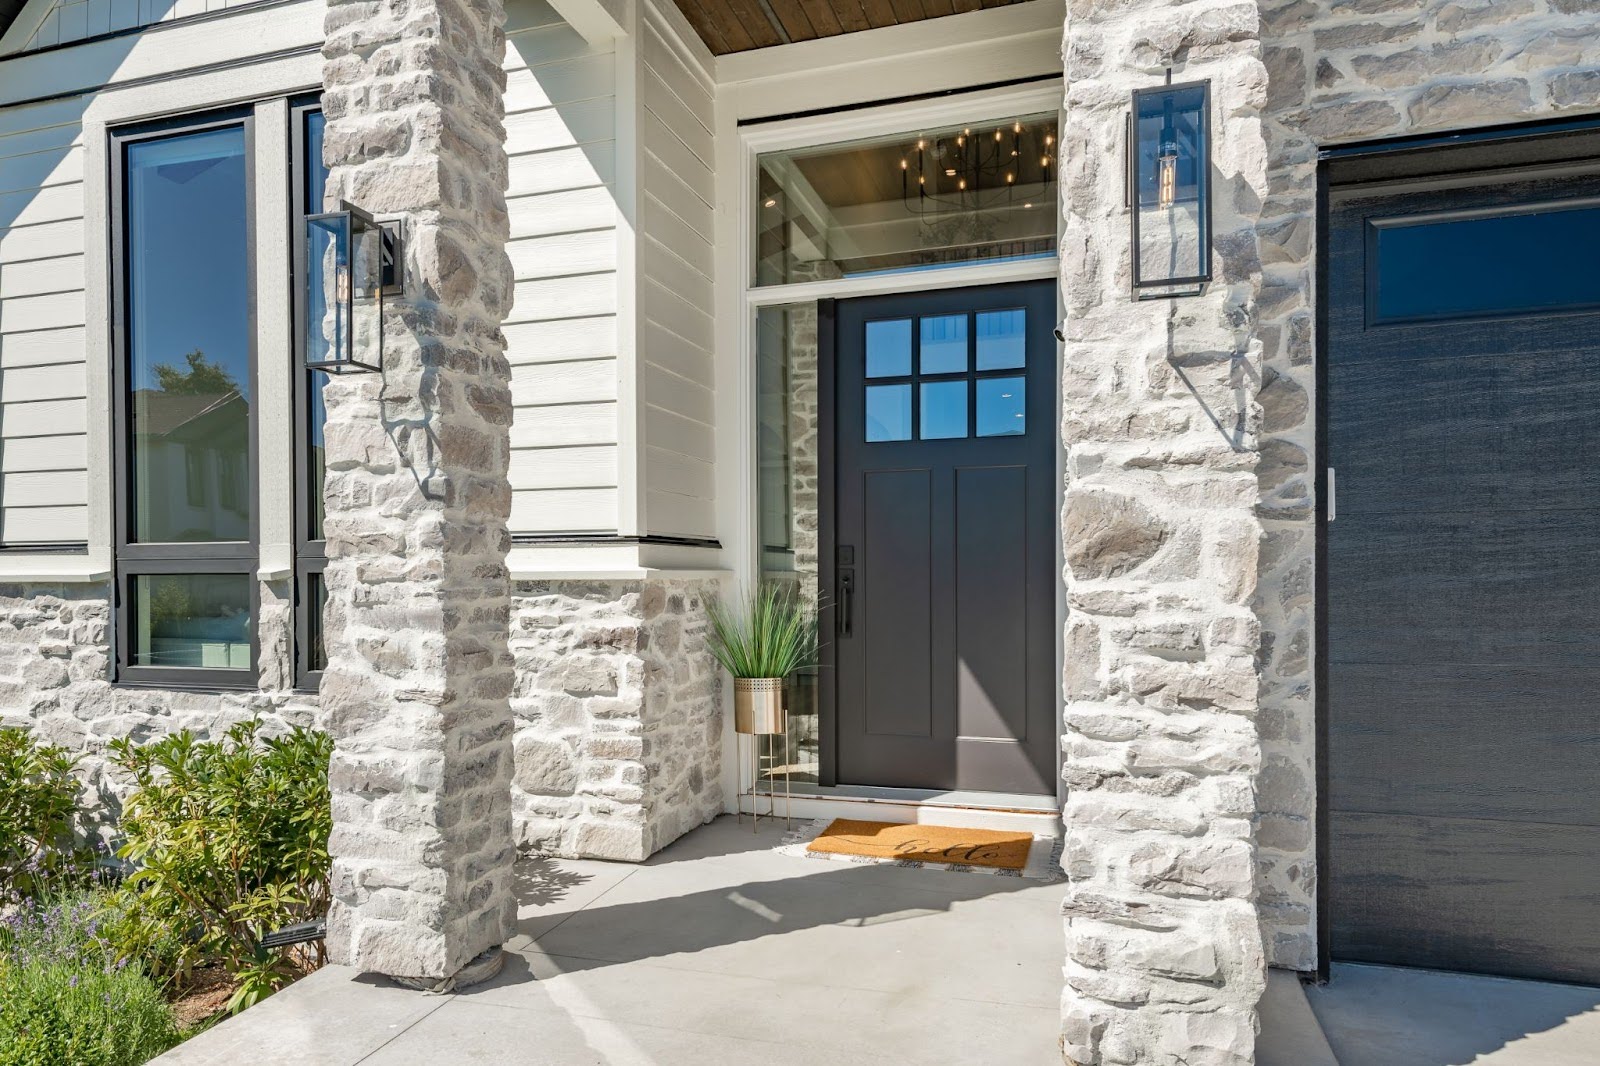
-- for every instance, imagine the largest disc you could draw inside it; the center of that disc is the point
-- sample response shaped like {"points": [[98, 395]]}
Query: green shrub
{"points": [[66, 994], [38, 801], [229, 839], [58, 1014]]}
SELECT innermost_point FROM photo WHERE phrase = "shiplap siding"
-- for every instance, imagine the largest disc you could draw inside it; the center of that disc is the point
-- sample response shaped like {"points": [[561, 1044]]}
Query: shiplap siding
{"points": [[561, 334], [44, 484], [77, 20], [676, 335]]}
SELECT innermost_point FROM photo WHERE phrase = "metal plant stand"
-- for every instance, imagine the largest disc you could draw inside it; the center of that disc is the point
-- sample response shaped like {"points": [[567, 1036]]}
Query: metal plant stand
{"points": [[760, 711]]}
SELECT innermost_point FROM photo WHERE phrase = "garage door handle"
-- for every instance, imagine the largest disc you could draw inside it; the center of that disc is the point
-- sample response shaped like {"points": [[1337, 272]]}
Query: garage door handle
{"points": [[1332, 498]]}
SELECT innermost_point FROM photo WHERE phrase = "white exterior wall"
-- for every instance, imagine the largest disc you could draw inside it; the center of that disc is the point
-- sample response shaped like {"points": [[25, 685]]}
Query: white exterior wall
{"points": [[676, 373], [44, 489], [562, 334]]}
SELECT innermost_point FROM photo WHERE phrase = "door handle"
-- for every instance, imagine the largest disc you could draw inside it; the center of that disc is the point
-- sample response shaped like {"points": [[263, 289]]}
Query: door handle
{"points": [[847, 602]]}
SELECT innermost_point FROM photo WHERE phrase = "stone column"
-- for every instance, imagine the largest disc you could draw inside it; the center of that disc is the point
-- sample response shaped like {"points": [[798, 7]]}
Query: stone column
{"points": [[418, 685], [1160, 421]]}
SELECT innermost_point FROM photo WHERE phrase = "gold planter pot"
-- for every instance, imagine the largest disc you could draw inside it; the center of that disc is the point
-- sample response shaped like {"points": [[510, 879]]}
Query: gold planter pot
{"points": [[758, 705]]}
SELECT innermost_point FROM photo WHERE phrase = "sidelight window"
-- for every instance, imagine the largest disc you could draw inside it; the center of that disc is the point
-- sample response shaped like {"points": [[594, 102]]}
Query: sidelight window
{"points": [[185, 412]]}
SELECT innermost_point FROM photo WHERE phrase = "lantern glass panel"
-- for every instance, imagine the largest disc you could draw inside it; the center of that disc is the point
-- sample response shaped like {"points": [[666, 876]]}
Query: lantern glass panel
{"points": [[366, 307], [1171, 185], [328, 290]]}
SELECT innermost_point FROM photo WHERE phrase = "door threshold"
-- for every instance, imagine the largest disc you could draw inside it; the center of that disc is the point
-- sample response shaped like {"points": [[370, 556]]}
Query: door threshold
{"points": [[961, 808]]}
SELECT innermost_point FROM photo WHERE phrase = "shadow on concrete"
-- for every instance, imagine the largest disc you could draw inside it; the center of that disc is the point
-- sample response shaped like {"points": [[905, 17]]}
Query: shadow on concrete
{"points": [[1378, 1015]]}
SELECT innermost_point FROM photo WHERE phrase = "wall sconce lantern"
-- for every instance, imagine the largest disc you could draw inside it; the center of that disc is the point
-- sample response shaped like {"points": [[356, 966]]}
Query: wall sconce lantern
{"points": [[1169, 164], [351, 263]]}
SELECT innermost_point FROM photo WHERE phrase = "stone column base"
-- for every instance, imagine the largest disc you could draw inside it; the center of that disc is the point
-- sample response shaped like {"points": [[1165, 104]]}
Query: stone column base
{"points": [[618, 708]]}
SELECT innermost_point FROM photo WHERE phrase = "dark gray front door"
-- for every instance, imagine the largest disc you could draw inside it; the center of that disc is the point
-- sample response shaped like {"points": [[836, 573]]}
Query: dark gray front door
{"points": [[944, 543], [1463, 575]]}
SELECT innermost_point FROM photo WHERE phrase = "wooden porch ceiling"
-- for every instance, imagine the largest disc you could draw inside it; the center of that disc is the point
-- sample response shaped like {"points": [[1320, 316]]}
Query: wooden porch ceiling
{"points": [[740, 25]]}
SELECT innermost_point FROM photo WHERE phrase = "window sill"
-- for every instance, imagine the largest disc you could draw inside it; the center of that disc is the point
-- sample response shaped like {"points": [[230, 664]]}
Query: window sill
{"points": [[50, 567]]}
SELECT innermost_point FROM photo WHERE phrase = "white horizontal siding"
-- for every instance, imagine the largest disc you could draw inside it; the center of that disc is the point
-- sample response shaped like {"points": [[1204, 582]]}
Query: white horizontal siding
{"points": [[676, 297], [43, 378], [561, 334]]}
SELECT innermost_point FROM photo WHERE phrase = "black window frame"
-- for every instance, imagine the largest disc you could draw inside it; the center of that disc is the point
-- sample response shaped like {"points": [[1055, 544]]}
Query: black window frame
{"points": [[141, 559], [310, 554]]}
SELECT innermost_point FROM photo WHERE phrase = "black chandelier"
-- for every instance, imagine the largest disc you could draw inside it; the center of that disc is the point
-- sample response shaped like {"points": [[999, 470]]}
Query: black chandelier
{"points": [[976, 167]]}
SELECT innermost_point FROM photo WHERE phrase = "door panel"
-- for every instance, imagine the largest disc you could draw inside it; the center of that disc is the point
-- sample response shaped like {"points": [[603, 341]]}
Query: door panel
{"points": [[1463, 579], [943, 539]]}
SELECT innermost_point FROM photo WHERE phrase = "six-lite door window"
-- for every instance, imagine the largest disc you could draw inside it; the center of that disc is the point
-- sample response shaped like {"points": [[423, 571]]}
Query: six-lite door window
{"points": [[185, 392]]}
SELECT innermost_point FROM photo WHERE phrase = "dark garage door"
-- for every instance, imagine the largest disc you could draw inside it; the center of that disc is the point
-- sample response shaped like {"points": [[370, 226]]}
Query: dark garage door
{"points": [[1462, 420]]}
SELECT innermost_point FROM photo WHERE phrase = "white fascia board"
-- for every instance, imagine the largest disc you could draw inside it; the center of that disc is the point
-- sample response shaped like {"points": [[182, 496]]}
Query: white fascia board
{"points": [[597, 21]]}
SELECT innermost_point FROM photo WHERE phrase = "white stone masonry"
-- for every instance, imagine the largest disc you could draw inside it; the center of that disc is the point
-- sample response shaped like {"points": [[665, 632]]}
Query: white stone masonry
{"points": [[418, 686]]}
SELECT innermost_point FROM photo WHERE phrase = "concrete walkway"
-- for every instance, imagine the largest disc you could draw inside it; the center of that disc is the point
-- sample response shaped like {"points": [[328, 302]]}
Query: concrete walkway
{"points": [[717, 951], [1386, 1016]]}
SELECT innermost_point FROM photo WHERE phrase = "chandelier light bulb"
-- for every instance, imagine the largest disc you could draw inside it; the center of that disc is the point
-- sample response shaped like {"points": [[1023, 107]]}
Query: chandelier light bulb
{"points": [[949, 172]]}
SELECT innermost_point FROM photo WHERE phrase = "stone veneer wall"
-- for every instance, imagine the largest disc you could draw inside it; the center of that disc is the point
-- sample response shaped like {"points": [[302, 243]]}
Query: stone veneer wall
{"points": [[1348, 71], [1160, 421], [619, 715], [55, 657]]}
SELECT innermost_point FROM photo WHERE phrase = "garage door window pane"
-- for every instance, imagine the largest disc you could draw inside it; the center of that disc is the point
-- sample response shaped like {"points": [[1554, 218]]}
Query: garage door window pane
{"points": [[1534, 258]]}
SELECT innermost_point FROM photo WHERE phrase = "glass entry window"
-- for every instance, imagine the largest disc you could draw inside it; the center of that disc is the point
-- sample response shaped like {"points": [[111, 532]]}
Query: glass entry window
{"points": [[185, 411], [971, 193]]}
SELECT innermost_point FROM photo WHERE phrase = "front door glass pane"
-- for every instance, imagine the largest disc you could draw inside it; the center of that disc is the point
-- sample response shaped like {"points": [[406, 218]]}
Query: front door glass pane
{"points": [[1002, 407], [189, 337], [1002, 339], [889, 348], [888, 412], [944, 409], [191, 620], [944, 344]]}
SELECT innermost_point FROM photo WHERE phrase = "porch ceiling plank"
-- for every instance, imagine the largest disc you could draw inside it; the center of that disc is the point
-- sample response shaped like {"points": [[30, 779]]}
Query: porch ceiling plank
{"points": [[908, 10], [852, 15], [756, 22], [880, 13], [707, 25], [794, 19], [823, 17], [728, 26]]}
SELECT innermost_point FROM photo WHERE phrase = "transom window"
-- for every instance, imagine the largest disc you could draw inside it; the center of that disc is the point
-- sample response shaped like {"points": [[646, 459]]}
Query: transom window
{"points": [[964, 383]]}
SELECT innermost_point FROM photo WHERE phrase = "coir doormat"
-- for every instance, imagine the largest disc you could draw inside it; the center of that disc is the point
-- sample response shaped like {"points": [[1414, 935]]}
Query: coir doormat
{"points": [[1009, 853]]}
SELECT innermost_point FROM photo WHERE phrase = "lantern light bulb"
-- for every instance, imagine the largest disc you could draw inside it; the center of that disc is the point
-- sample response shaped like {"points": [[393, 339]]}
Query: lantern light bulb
{"points": [[341, 283], [1167, 175]]}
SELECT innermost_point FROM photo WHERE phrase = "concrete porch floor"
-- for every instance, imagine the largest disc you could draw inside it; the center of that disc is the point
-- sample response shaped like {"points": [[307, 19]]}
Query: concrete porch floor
{"points": [[1388, 1016], [716, 951]]}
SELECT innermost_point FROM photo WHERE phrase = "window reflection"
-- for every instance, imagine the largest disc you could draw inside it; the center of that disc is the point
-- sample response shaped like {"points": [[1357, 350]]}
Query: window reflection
{"points": [[192, 620], [889, 348], [1002, 407], [189, 337], [1002, 339], [944, 344], [888, 412], [944, 409]]}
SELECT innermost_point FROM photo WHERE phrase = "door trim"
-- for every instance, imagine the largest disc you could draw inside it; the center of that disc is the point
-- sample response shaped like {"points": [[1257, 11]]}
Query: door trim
{"points": [[827, 541], [1440, 160]]}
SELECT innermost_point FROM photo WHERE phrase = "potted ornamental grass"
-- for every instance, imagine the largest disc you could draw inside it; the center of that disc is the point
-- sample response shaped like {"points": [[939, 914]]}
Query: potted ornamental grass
{"points": [[761, 641]]}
